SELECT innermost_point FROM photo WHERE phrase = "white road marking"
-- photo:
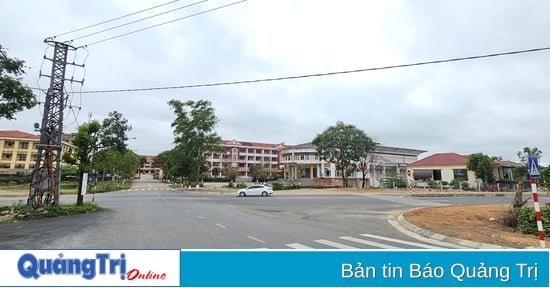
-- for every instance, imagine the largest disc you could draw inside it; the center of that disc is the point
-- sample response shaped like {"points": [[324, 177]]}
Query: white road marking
{"points": [[200, 217], [421, 245], [298, 246], [220, 225], [255, 239], [368, 242], [335, 244]]}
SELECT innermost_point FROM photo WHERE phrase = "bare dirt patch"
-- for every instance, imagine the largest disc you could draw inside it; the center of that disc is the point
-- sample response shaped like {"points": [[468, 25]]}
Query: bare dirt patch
{"points": [[480, 223]]}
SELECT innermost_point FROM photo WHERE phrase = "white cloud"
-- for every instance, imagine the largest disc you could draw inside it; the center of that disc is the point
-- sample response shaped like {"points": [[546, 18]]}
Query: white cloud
{"points": [[495, 106]]}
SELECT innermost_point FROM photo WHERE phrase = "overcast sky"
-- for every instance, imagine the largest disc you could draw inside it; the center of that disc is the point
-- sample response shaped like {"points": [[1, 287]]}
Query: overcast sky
{"points": [[495, 106]]}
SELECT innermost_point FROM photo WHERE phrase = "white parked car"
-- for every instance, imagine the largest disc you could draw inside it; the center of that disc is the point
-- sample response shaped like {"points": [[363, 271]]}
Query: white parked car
{"points": [[255, 190]]}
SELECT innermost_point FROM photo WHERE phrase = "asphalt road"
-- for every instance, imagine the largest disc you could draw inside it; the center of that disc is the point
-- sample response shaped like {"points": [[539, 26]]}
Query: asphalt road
{"points": [[151, 216]]}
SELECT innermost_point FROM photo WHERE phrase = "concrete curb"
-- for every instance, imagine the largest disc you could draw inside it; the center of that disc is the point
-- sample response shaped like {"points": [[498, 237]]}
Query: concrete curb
{"points": [[423, 233]]}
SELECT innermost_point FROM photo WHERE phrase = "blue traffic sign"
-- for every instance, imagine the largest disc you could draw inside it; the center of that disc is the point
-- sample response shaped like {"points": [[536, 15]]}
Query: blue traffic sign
{"points": [[533, 167]]}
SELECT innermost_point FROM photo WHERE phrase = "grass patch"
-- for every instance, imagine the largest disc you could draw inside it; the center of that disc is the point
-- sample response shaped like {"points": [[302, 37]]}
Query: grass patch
{"points": [[14, 186], [17, 211]]}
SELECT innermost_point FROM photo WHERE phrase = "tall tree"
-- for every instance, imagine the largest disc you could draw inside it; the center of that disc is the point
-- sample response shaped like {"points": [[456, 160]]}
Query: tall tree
{"points": [[258, 173], [344, 145], [194, 136], [483, 166], [114, 132], [230, 173], [106, 161], [86, 142], [164, 161], [14, 96], [528, 152], [128, 165]]}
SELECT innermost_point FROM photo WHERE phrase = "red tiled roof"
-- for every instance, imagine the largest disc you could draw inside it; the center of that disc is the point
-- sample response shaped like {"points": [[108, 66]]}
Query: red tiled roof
{"points": [[441, 159], [17, 134], [250, 144]]}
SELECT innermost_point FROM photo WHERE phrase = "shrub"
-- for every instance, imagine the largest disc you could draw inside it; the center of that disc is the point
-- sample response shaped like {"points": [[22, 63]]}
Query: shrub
{"points": [[68, 185], [528, 223], [455, 183], [511, 218], [278, 186], [18, 211], [108, 186], [282, 186]]}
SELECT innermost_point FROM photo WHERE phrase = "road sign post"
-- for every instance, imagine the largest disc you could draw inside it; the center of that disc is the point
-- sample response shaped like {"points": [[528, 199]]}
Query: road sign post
{"points": [[534, 173]]}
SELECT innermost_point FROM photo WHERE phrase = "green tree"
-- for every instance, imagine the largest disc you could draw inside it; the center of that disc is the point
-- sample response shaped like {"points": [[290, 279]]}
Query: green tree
{"points": [[545, 177], [194, 136], [106, 161], [128, 165], [483, 166], [258, 173], [230, 173], [528, 152], [86, 142], [112, 161], [164, 161], [14, 96], [114, 132], [344, 145]]}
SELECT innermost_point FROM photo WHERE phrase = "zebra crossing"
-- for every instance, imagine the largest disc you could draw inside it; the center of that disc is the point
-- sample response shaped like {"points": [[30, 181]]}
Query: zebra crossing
{"points": [[363, 241], [405, 199]]}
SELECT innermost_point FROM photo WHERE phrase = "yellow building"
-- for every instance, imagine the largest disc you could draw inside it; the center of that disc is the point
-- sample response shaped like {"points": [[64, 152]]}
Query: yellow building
{"points": [[18, 151]]}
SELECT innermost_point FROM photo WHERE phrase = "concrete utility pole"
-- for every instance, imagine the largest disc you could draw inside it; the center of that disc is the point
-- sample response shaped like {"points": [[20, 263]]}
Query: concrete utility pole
{"points": [[44, 188]]}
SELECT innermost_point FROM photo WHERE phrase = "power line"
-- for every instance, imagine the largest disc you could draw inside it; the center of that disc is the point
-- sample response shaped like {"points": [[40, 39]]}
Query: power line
{"points": [[114, 19], [321, 74], [138, 20], [164, 23]]}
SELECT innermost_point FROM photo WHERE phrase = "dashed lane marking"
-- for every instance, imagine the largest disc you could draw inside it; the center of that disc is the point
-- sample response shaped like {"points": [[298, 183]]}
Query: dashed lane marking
{"points": [[255, 239]]}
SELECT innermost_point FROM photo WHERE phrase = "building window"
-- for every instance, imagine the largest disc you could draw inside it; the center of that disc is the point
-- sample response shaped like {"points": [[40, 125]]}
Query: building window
{"points": [[6, 156], [23, 145], [460, 174], [21, 157], [5, 165], [437, 175]]}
